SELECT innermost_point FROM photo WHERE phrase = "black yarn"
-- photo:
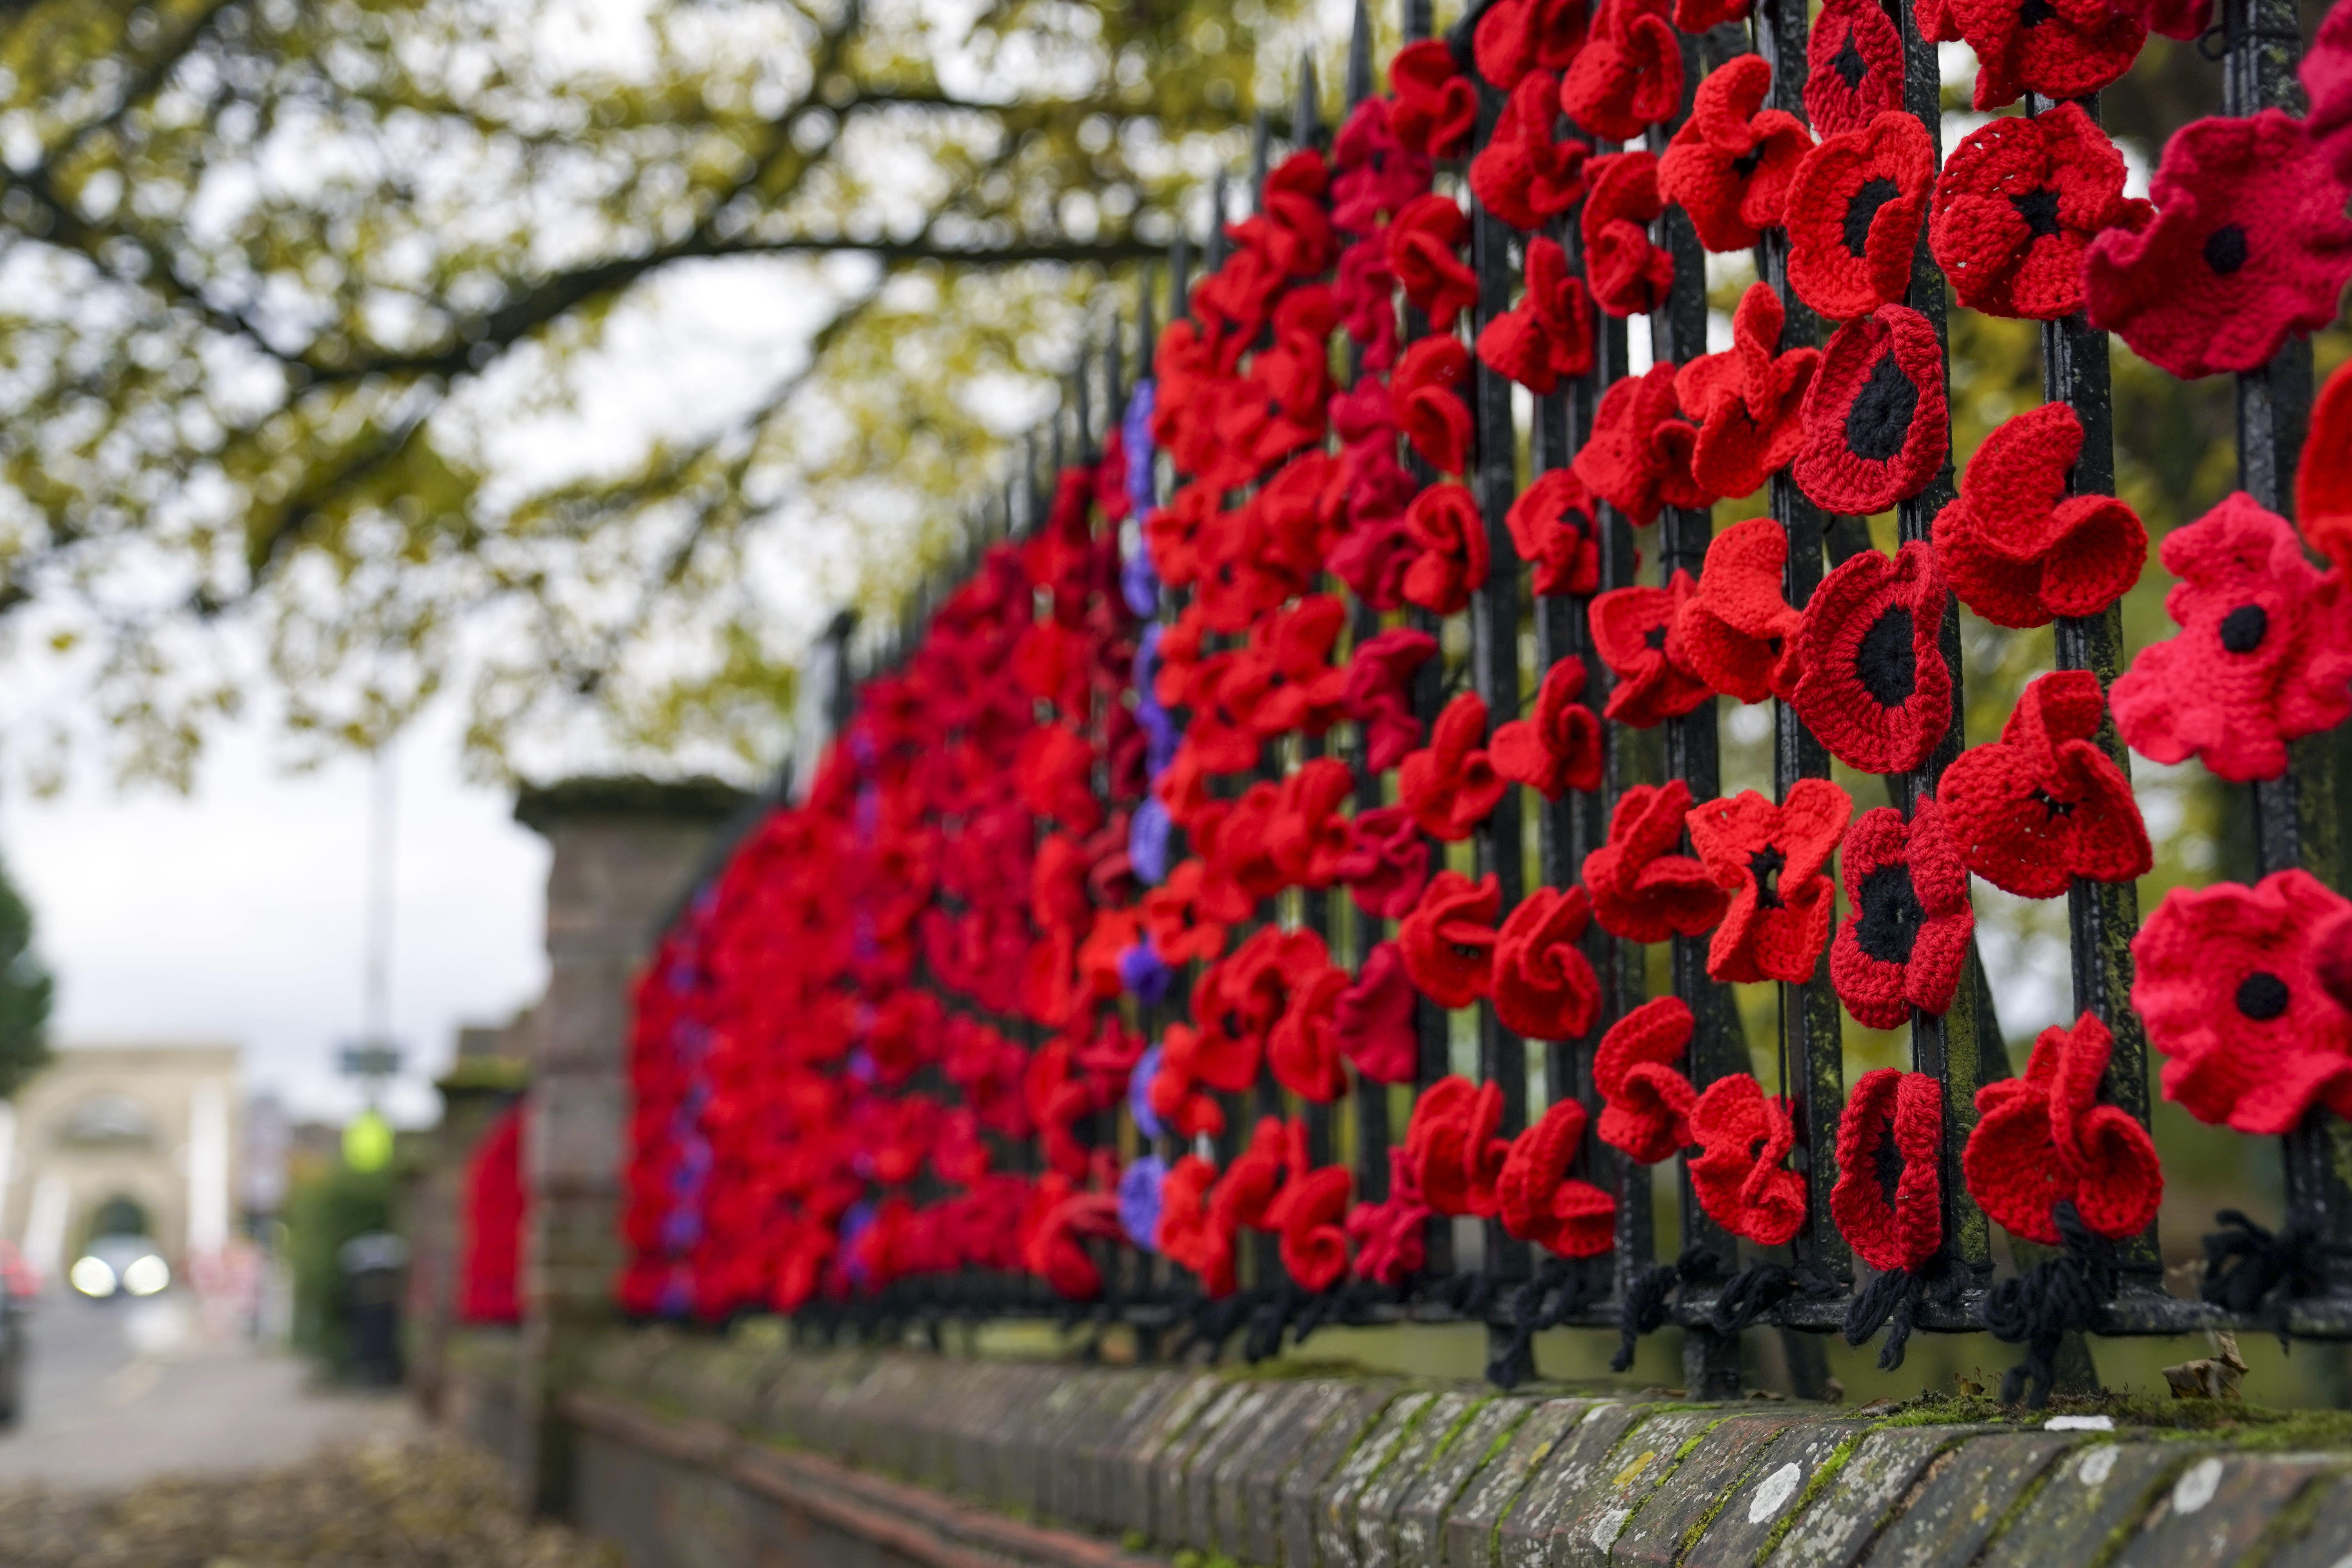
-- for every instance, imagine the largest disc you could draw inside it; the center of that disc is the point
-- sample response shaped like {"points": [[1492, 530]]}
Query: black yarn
{"points": [[1468, 1295], [1642, 1310], [1558, 1291], [1215, 1321], [1892, 1300], [1754, 1291], [2040, 1308], [1273, 1313], [2247, 1264]]}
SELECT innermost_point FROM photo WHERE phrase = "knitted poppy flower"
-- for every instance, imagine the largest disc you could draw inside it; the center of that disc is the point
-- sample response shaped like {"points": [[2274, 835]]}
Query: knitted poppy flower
{"points": [[1302, 1051], [2228, 980], [1646, 1103], [1433, 104], [2263, 657], [1544, 985], [1629, 74], [2043, 804], [1306, 836], [1729, 164], [1743, 1136], [1516, 37], [1448, 940], [1737, 632], [1770, 860], [1854, 60], [1188, 1236], [1876, 416], [2328, 81], [1309, 1213], [1380, 693], [1387, 862], [1632, 630], [1292, 685], [2046, 1139], [1872, 684], [1628, 274], [1425, 245], [1451, 785], [1457, 1160], [1444, 521], [2016, 204], [1522, 175], [1548, 334], [1374, 1016], [1907, 937], [1638, 457], [1178, 928], [1642, 891], [2249, 244], [1748, 400], [1551, 525], [2017, 549], [2059, 48], [1888, 1197], [1390, 1236], [1376, 173], [1427, 393], [2323, 479], [1539, 1202], [1853, 211], [1558, 748]]}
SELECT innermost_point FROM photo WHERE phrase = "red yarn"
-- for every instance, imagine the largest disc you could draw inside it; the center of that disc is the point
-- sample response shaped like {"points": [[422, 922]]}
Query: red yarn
{"points": [[1737, 1176], [1853, 211], [1558, 748], [1771, 858], [1906, 938], [1456, 1158], [1548, 334], [2332, 959], [1178, 930], [1854, 60], [2044, 805], [1641, 890], [1638, 457], [2018, 550], [1629, 74], [2017, 204], [1872, 684], [1306, 836], [1434, 104], [2059, 48], [1390, 1236], [1387, 863], [1380, 693], [1522, 175], [1748, 400], [1646, 1104], [1311, 1209], [1425, 245], [2249, 244], [2046, 1139], [490, 1245], [2327, 82], [1303, 1050], [2323, 479], [1633, 632], [1448, 940], [1552, 527], [1302, 691], [1730, 163], [1629, 275], [2228, 980], [1544, 987], [1875, 418], [1374, 1017], [1516, 37], [1452, 785], [1888, 1196], [2263, 657], [1541, 1203], [1444, 521], [1188, 1236], [1737, 632], [1427, 394]]}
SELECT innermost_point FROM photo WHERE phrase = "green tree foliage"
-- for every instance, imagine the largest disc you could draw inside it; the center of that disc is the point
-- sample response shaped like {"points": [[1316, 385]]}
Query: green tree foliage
{"points": [[27, 991]]}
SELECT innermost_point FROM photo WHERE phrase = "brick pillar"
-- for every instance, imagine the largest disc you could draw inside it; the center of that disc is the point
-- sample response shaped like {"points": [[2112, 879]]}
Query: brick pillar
{"points": [[627, 850]]}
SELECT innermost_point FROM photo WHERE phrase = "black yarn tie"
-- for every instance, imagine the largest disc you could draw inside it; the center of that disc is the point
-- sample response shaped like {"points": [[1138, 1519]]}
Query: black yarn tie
{"points": [[1643, 1308], [1754, 1291], [2247, 1263], [1215, 1321], [1893, 1299], [1266, 1323], [1468, 1295], [1558, 1291], [2038, 1308]]}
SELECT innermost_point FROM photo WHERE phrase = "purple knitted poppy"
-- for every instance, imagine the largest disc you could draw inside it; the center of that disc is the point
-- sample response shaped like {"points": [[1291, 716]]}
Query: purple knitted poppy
{"points": [[1139, 1200], [1147, 979], [1135, 432], [1147, 844], [1139, 1095], [1138, 584]]}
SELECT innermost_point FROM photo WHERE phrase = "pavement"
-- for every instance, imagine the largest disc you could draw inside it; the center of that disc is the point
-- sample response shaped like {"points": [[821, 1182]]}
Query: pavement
{"points": [[118, 1393]]}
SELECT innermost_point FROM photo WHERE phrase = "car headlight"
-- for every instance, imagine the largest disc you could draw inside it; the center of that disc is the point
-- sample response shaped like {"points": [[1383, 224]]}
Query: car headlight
{"points": [[145, 1274], [92, 1276]]}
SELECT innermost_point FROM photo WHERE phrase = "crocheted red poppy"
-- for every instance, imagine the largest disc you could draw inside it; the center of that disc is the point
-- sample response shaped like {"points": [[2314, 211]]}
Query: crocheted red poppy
{"points": [[2249, 244], [1743, 1137], [1737, 632], [1309, 1213], [2018, 550], [1908, 936], [1516, 37], [1522, 175], [1548, 334], [1729, 164], [1871, 679], [1380, 693], [1771, 858], [1426, 391], [1539, 1202], [1450, 1143], [2323, 481], [1390, 1236], [1377, 173], [2059, 48], [2327, 82], [1632, 630], [1646, 1104], [1307, 835], [2043, 804], [1877, 417], [1425, 253], [1642, 891], [1748, 399], [1190, 1066], [1551, 525], [1558, 748], [1374, 1016], [1451, 785], [1448, 940], [1544, 985], [1854, 60], [1629, 74], [1302, 1050], [1291, 684], [1853, 211], [1888, 1197], [1433, 103], [2046, 1139], [1629, 275], [1444, 521], [1638, 457], [2263, 657], [1387, 863], [1187, 1236], [2227, 979], [2016, 204]]}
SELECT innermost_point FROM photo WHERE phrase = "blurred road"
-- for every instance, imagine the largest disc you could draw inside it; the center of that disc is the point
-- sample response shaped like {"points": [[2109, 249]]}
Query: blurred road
{"points": [[117, 1392]]}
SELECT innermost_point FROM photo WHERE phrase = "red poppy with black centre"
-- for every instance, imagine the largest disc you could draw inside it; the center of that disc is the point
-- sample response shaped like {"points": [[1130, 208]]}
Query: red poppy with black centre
{"points": [[2020, 551], [1730, 163], [1906, 939], [1888, 1197], [1548, 334], [1448, 940], [1738, 1175], [1638, 457], [1737, 632], [1642, 890], [2045, 1139], [2058, 49], [1523, 175], [2044, 805], [1748, 400], [1854, 57], [2018, 202], [1629, 275], [1876, 416], [1632, 630], [1872, 684], [1854, 212], [1629, 74], [1771, 858], [1552, 527]]}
